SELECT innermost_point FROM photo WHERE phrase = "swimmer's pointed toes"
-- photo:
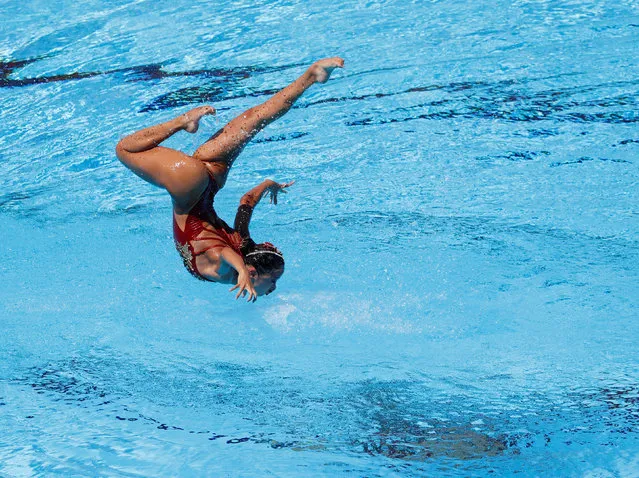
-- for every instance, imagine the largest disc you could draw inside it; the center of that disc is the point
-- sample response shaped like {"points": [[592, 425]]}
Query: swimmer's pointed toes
{"points": [[322, 69], [191, 119]]}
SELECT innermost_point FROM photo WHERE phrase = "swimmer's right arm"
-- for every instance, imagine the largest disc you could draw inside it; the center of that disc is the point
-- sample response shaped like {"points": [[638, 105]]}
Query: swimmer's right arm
{"points": [[244, 283]]}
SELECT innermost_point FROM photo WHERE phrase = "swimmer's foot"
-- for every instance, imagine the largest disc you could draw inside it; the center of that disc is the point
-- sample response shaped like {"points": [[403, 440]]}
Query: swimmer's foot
{"points": [[191, 119], [321, 70]]}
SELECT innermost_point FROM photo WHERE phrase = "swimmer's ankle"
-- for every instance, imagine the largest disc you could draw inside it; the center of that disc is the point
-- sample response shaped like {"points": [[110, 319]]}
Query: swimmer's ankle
{"points": [[190, 121], [321, 70]]}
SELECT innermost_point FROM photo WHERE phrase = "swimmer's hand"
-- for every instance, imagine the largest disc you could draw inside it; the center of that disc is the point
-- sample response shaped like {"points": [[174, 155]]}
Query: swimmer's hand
{"points": [[246, 286], [244, 283], [273, 188]]}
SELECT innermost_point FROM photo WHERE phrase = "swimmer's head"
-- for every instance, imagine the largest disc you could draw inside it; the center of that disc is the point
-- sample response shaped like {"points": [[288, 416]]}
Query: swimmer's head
{"points": [[265, 264]]}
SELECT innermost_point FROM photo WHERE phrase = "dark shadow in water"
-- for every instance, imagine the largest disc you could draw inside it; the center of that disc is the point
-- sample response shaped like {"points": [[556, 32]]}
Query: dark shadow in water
{"points": [[9, 66], [69, 381], [211, 93], [222, 84], [12, 198], [619, 404], [515, 156], [402, 439], [404, 416], [376, 418], [401, 420], [281, 137], [585, 159], [628, 141], [507, 100], [85, 382], [149, 72]]}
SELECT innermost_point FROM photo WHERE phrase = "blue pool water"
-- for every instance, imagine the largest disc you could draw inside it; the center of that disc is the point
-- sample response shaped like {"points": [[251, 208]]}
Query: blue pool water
{"points": [[462, 242]]}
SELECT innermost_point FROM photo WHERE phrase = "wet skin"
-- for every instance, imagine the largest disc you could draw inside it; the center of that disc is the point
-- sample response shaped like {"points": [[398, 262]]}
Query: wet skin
{"points": [[264, 284]]}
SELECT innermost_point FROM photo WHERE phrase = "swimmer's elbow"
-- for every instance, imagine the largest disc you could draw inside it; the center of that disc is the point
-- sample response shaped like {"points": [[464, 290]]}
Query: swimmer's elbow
{"points": [[248, 200]]}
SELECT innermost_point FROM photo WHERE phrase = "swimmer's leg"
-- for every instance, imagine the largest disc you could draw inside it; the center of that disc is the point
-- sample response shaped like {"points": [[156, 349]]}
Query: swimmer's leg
{"points": [[225, 145], [184, 177]]}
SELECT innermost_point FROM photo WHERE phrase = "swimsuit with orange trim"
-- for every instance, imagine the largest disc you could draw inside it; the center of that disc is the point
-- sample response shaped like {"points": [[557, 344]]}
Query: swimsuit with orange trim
{"points": [[203, 224]]}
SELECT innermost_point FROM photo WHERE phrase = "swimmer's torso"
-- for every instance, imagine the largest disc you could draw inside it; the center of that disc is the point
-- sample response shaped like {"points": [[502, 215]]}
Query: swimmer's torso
{"points": [[201, 235]]}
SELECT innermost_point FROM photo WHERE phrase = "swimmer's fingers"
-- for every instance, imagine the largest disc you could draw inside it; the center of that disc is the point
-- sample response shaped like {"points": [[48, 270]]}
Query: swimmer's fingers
{"points": [[239, 292], [283, 186], [252, 294], [277, 188], [248, 290], [273, 198], [245, 288], [237, 296]]}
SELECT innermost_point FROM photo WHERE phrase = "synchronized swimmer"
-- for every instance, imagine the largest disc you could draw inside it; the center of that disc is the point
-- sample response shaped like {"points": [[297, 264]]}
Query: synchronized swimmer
{"points": [[210, 248]]}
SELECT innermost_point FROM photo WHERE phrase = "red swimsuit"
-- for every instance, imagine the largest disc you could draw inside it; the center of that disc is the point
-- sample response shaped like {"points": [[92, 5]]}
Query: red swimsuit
{"points": [[203, 224]]}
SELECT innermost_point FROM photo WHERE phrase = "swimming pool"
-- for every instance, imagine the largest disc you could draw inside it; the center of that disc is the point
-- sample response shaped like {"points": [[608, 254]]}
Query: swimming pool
{"points": [[461, 242]]}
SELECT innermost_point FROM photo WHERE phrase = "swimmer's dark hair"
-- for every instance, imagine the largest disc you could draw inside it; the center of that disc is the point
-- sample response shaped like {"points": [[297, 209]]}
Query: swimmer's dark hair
{"points": [[265, 257]]}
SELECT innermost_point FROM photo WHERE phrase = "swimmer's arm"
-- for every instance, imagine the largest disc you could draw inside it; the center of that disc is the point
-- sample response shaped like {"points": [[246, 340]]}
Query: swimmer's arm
{"points": [[247, 204], [242, 220], [243, 279], [251, 199]]}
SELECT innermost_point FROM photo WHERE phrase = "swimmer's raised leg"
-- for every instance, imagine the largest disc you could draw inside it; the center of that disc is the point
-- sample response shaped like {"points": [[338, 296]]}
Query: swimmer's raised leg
{"points": [[184, 177], [225, 145], [152, 136]]}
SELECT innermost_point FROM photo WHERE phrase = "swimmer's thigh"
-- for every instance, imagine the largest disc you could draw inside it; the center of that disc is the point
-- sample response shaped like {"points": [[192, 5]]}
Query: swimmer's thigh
{"points": [[184, 177]]}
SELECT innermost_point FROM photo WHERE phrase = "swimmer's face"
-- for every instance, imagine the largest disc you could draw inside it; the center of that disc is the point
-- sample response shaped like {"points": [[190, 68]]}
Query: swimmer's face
{"points": [[264, 284]]}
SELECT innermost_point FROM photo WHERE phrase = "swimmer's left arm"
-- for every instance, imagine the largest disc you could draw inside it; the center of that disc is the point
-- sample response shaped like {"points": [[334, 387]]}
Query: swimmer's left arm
{"points": [[250, 200]]}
